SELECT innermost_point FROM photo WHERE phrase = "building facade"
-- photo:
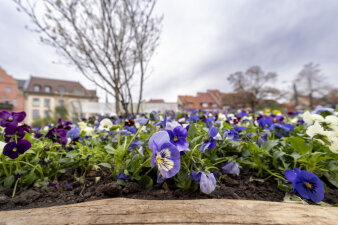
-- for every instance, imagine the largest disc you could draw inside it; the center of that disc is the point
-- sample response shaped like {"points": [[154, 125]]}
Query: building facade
{"points": [[43, 95], [210, 100], [11, 97]]}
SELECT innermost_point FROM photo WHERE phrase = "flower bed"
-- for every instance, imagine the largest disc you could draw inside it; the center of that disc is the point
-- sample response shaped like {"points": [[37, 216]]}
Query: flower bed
{"points": [[240, 155]]}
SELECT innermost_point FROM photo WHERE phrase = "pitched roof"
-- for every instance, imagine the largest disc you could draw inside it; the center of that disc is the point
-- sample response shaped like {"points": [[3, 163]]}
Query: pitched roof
{"points": [[156, 101], [55, 85]]}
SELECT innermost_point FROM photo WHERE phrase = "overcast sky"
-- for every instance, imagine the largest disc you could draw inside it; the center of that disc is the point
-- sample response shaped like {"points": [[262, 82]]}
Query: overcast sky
{"points": [[202, 42]]}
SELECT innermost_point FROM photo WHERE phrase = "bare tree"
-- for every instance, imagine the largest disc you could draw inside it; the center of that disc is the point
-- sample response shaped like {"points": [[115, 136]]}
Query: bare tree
{"points": [[109, 41], [253, 86], [311, 82]]}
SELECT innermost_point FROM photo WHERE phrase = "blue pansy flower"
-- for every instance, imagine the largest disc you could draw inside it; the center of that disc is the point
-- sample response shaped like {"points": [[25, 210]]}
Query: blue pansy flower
{"points": [[307, 184], [209, 121], [209, 142], [265, 122], [165, 154], [73, 133], [193, 118], [142, 121], [207, 183], [135, 144], [281, 130], [231, 168], [123, 176], [231, 134], [178, 138]]}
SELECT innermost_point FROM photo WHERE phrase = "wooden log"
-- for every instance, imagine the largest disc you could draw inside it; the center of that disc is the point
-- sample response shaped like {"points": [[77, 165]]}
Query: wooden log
{"points": [[209, 211]]}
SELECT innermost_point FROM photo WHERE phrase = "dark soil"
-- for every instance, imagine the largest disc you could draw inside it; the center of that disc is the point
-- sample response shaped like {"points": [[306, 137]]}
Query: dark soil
{"points": [[69, 191]]}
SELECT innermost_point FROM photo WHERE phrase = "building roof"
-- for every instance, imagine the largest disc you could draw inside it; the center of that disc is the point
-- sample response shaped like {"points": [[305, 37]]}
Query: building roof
{"points": [[22, 84], [156, 101], [69, 87]]}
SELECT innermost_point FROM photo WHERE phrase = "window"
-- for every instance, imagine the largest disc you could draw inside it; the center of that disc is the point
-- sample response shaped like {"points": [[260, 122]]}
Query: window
{"points": [[47, 89], [37, 88], [47, 113], [213, 104], [78, 92], [35, 114], [8, 89], [47, 102], [6, 100], [61, 102], [35, 102], [62, 90], [15, 101], [190, 104], [204, 104]]}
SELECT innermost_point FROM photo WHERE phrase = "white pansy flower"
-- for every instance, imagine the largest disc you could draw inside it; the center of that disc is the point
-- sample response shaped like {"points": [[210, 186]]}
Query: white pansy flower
{"points": [[221, 117], [105, 124], [88, 131], [2, 145], [315, 129], [334, 145], [307, 117], [317, 118], [82, 125], [332, 121]]}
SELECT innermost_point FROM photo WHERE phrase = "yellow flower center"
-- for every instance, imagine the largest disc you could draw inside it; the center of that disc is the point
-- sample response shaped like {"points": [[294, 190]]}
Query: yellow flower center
{"points": [[105, 126], [159, 159], [10, 119], [72, 135], [266, 125], [308, 185], [274, 120], [175, 139], [14, 150]]}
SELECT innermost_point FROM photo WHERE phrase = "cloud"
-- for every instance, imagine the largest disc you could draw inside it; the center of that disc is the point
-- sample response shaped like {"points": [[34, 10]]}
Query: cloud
{"points": [[202, 43]]}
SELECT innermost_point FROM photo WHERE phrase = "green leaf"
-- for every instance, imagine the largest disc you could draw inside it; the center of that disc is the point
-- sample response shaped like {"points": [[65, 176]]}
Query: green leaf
{"points": [[71, 154], [192, 131], [298, 144], [107, 165], [9, 181], [146, 182], [121, 182], [268, 145]]}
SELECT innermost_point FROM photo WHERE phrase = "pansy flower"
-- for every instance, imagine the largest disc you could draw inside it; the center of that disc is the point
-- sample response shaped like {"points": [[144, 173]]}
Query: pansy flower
{"points": [[73, 133], [282, 130], [178, 138], [207, 181], [12, 130], [307, 184], [231, 168], [165, 154], [13, 118], [13, 150], [265, 122], [209, 142]]}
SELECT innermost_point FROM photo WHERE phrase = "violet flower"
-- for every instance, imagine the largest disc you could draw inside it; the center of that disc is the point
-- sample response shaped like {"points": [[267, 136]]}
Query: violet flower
{"points": [[13, 118], [209, 142], [231, 168], [307, 184], [165, 154], [178, 137], [207, 183], [13, 150]]}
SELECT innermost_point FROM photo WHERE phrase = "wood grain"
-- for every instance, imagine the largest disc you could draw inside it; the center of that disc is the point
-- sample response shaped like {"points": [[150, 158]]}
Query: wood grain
{"points": [[210, 211]]}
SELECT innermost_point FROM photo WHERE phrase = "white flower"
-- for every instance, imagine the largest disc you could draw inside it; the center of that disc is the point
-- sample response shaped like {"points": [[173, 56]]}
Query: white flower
{"points": [[315, 129], [332, 121], [82, 125], [221, 117], [2, 145], [307, 117], [317, 118], [334, 145], [88, 131], [105, 124]]}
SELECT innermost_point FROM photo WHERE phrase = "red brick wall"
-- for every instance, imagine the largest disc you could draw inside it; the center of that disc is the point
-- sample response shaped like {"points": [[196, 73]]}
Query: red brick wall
{"points": [[7, 81]]}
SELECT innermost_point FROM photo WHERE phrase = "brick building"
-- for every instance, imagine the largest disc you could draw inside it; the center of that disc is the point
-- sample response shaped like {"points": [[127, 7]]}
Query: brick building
{"points": [[42, 95], [212, 99], [11, 97]]}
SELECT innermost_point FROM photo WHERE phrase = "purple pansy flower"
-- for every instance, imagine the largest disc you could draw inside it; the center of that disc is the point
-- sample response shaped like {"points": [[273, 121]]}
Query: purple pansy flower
{"points": [[178, 138], [265, 122], [231, 168], [11, 118], [14, 130], [142, 121], [209, 142], [165, 154], [282, 130], [207, 183], [307, 184], [13, 150], [123, 176]]}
